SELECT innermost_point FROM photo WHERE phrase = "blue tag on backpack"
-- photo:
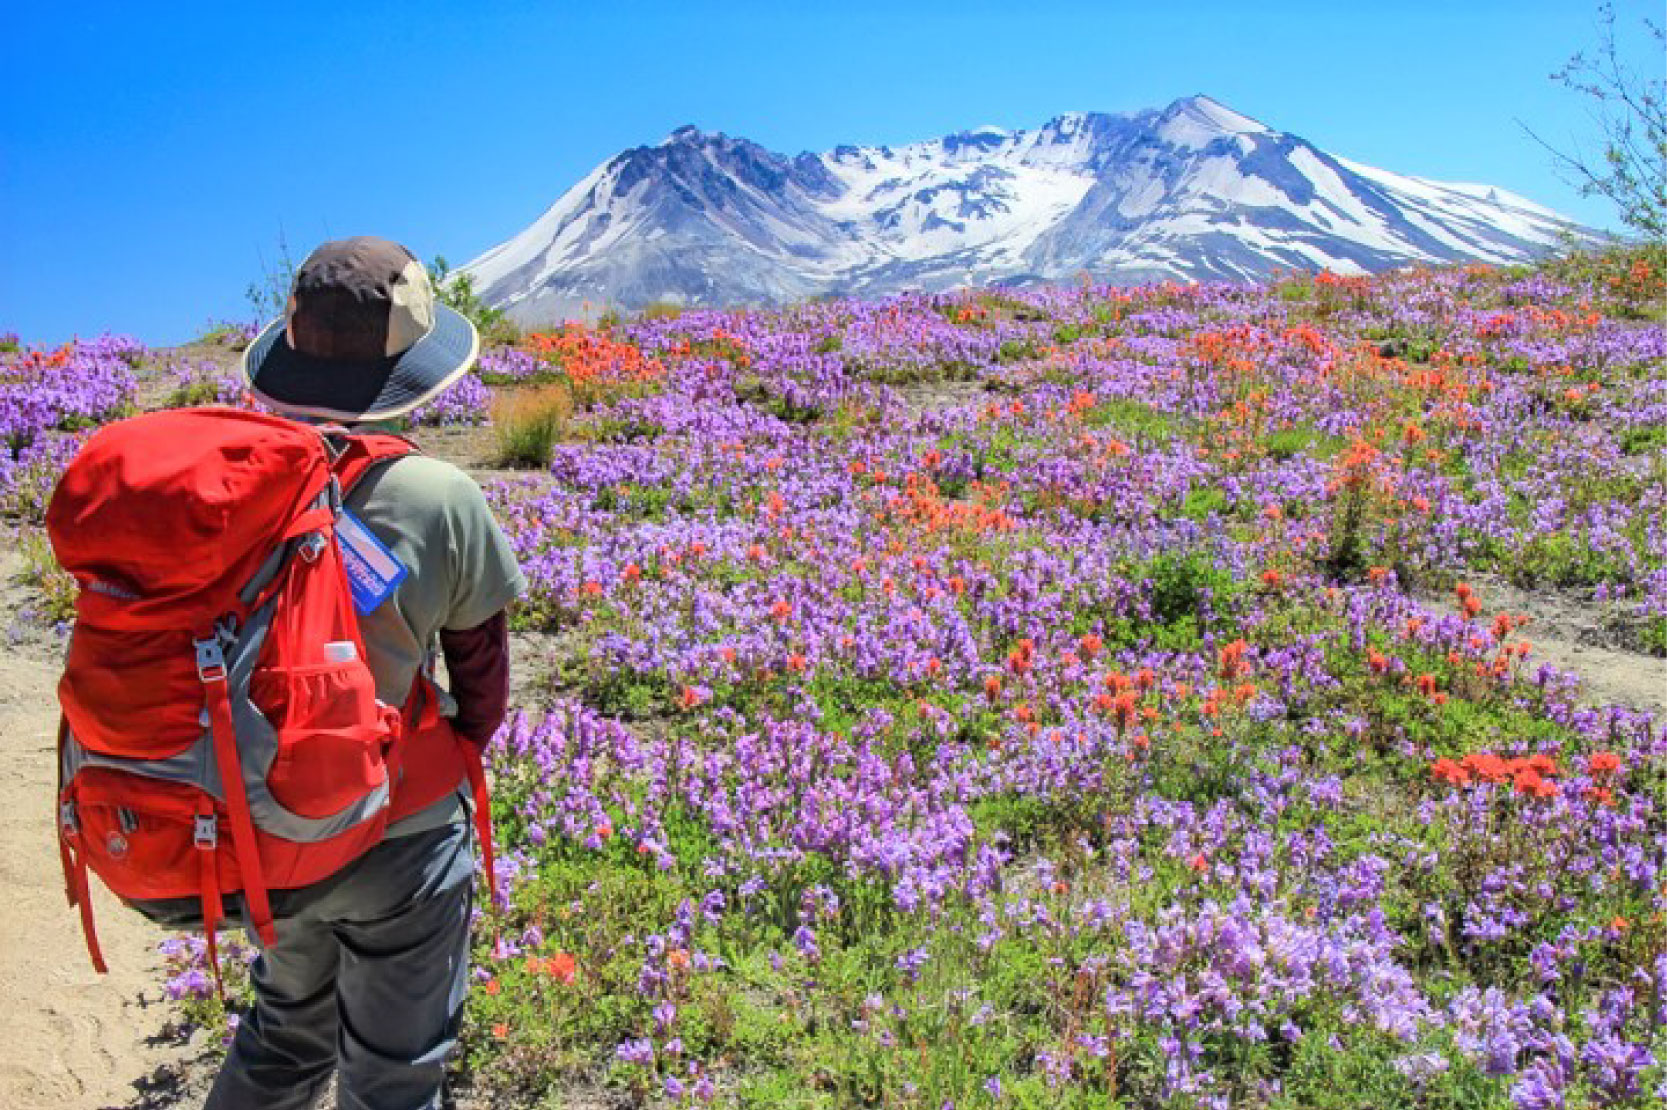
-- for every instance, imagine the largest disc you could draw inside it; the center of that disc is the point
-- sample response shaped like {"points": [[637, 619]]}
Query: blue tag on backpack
{"points": [[373, 573]]}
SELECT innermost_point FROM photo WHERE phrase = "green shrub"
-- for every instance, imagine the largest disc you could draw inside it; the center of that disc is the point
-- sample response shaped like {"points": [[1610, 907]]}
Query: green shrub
{"points": [[224, 334], [457, 291], [1642, 439], [191, 394], [1018, 350], [1184, 584], [1134, 419]]}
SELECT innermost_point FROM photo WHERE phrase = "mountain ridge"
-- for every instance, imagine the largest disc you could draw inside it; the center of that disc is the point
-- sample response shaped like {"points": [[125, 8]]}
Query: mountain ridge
{"points": [[1191, 191]]}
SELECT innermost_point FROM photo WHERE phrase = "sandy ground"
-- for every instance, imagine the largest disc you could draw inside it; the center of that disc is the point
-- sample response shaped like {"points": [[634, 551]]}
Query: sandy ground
{"points": [[1609, 677], [70, 1039]]}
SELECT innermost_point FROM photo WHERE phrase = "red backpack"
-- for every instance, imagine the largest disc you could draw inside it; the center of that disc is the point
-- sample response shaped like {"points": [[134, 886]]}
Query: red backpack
{"points": [[221, 732]]}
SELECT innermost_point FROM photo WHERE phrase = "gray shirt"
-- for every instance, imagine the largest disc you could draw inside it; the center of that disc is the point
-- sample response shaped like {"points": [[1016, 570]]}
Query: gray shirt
{"points": [[436, 521]]}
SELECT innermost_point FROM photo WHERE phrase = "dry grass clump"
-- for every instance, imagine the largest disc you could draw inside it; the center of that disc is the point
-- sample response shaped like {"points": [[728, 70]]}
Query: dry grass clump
{"points": [[528, 423]]}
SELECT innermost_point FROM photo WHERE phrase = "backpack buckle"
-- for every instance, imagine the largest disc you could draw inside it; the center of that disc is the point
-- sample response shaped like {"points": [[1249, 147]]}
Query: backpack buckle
{"points": [[67, 820], [205, 831], [211, 660], [312, 546]]}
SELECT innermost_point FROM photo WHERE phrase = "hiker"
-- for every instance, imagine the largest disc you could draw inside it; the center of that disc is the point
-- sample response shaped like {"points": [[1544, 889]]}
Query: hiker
{"points": [[369, 969]]}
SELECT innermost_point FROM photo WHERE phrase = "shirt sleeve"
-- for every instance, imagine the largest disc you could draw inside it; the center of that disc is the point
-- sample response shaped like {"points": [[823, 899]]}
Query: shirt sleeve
{"points": [[477, 669], [485, 576]]}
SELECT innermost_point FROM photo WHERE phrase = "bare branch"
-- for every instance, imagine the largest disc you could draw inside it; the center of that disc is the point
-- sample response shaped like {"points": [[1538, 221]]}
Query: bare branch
{"points": [[1630, 113]]}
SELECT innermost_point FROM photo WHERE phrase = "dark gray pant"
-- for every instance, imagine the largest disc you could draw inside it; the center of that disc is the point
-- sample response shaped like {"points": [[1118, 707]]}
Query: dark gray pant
{"points": [[366, 979]]}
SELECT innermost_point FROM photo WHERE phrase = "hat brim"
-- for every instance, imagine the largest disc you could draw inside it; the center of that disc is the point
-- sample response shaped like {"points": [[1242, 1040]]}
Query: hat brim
{"points": [[301, 385]]}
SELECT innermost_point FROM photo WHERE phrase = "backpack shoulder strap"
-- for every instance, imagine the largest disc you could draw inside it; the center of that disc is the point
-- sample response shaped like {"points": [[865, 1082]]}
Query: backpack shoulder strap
{"points": [[356, 455]]}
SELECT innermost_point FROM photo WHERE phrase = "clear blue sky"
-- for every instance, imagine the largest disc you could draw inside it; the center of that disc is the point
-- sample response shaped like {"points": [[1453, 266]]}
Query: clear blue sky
{"points": [[148, 161]]}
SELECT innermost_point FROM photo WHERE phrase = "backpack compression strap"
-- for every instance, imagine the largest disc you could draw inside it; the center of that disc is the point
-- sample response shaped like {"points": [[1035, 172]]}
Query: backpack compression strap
{"points": [[73, 855], [474, 763], [213, 673]]}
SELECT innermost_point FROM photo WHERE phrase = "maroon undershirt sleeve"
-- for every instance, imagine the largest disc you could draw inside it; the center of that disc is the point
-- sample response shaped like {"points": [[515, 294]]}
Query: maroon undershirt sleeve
{"points": [[477, 664]]}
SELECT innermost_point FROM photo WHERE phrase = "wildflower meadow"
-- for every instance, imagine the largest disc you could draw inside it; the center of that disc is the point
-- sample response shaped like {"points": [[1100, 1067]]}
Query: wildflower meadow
{"points": [[1066, 697]]}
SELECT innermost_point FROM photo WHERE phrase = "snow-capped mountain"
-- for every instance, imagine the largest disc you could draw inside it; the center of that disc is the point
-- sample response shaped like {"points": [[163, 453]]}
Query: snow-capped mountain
{"points": [[1191, 191]]}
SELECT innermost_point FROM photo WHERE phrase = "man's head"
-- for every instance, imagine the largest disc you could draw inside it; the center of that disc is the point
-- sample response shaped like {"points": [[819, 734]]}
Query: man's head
{"points": [[362, 339]]}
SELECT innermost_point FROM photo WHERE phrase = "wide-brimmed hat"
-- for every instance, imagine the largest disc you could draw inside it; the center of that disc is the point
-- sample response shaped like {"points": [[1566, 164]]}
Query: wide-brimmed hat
{"points": [[362, 338]]}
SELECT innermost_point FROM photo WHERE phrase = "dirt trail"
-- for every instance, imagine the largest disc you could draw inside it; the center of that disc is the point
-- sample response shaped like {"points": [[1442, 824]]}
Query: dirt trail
{"points": [[70, 1039], [1574, 635], [1608, 677]]}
